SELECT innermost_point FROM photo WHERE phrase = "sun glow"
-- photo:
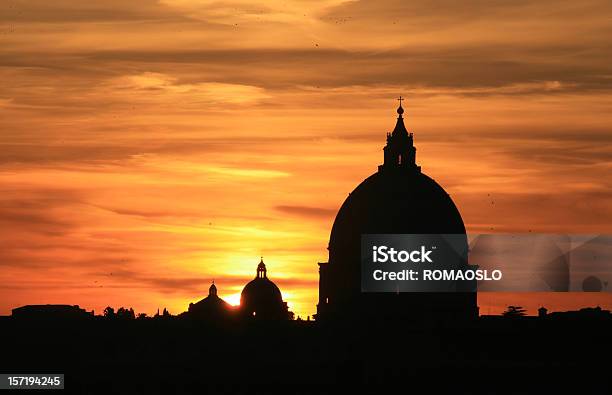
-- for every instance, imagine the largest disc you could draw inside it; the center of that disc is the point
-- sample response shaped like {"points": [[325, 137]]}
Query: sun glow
{"points": [[233, 299]]}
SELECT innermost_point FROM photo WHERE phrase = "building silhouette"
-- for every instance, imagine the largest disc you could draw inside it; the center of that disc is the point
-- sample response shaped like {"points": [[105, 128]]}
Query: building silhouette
{"points": [[262, 299], [50, 312], [211, 307], [398, 199], [542, 311]]}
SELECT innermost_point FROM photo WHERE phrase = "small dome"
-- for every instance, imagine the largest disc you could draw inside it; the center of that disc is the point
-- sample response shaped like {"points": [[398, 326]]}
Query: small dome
{"points": [[261, 291], [261, 297], [211, 307]]}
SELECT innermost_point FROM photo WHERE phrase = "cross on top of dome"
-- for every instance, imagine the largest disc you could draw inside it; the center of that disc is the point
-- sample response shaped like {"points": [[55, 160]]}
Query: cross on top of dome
{"points": [[400, 152], [400, 110]]}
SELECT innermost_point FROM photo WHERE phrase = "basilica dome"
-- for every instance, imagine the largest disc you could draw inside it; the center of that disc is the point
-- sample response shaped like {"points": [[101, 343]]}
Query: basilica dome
{"points": [[397, 199]]}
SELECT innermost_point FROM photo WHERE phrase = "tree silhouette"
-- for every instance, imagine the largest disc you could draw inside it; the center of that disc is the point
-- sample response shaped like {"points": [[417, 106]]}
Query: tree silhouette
{"points": [[125, 314], [514, 311], [109, 312]]}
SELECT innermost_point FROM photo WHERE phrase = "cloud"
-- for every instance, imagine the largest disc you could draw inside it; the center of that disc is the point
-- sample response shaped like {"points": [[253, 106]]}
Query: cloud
{"points": [[248, 173], [582, 152], [67, 11], [307, 212], [578, 210], [35, 212], [249, 11], [164, 88], [247, 75], [196, 284], [109, 155], [71, 153], [149, 213]]}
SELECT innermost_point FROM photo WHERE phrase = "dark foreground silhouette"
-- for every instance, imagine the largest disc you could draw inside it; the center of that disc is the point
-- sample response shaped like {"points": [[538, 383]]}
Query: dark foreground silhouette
{"points": [[553, 353]]}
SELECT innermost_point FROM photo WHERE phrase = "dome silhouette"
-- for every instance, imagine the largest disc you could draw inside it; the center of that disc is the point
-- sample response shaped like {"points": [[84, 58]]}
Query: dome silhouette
{"points": [[261, 298], [211, 307], [395, 202], [398, 199]]}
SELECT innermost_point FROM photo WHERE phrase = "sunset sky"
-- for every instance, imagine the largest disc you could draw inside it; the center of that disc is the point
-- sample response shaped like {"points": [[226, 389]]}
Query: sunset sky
{"points": [[149, 147]]}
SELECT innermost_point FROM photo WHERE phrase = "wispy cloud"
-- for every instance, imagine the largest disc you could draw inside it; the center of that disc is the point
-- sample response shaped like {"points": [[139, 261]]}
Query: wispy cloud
{"points": [[308, 212]]}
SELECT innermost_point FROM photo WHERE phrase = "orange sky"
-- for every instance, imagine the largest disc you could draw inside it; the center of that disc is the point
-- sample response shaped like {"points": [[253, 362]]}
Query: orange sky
{"points": [[148, 147]]}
